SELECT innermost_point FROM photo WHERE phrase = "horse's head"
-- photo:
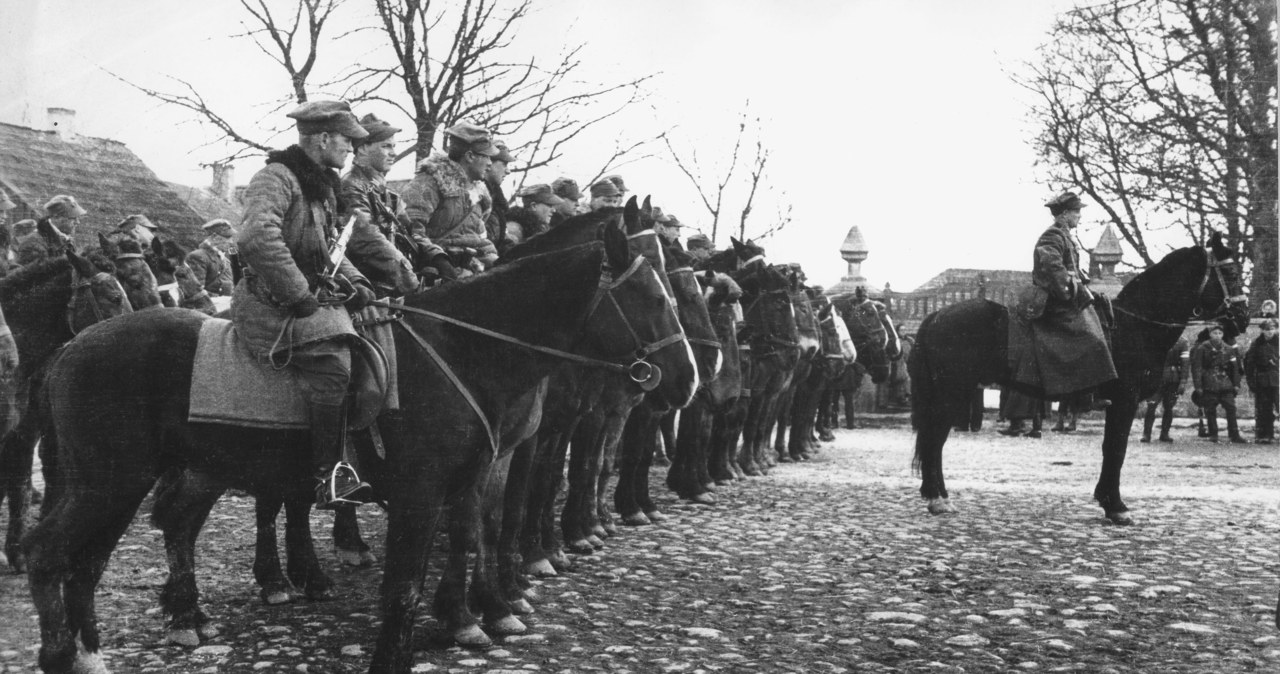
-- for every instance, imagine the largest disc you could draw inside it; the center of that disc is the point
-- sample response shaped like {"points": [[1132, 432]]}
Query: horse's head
{"points": [[633, 313], [1222, 295], [807, 330], [96, 295], [131, 269], [768, 312], [836, 342], [385, 267], [638, 224], [691, 306], [874, 335], [746, 252]]}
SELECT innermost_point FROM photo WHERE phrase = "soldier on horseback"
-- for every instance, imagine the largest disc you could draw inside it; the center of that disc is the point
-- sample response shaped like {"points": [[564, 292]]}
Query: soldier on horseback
{"points": [[289, 307], [365, 186], [54, 233], [1056, 342]]}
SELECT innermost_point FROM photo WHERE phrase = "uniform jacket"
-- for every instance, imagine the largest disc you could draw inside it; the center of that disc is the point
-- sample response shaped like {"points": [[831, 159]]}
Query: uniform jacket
{"points": [[447, 206], [363, 186], [1175, 363], [35, 246], [212, 267], [1215, 369], [290, 218], [1056, 264], [496, 224], [1261, 366]]}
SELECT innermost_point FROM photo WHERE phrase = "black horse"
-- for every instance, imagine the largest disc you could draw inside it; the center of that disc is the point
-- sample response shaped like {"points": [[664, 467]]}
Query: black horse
{"points": [[965, 344]]}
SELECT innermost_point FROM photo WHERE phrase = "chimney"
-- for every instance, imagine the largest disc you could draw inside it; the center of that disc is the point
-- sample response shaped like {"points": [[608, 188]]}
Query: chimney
{"points": [[63, 122], [224, 184]]}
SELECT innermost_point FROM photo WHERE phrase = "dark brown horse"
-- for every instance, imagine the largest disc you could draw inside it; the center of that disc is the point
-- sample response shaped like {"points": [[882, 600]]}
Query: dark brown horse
{"points": [[45, 305], [836, 352], [964, 345], [117, 403]]}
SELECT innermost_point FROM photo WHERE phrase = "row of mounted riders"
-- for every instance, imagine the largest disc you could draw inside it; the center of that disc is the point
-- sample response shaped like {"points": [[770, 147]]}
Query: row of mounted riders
{"points": [[504, 378]]}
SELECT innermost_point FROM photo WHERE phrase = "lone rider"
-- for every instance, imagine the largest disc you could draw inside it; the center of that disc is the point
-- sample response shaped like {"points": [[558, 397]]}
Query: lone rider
{"points": [[288, 307], [1056, 340]]}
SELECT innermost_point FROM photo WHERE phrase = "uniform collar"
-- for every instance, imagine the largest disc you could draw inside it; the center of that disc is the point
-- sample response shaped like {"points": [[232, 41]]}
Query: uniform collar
{"points": [[368, 174]]}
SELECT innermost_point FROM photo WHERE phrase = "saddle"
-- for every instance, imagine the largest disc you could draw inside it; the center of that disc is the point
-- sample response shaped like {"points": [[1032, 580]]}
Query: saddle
{"points": [[230, 386]]}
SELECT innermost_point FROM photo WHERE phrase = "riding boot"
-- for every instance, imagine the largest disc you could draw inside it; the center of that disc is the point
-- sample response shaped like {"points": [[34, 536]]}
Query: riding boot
{"points": [[1166, 421], [1211, 423], [1148, 422], [1062, 420], [1016, 427], [337, 481], [1036, 425], [1233, 430], [1201, 430]]}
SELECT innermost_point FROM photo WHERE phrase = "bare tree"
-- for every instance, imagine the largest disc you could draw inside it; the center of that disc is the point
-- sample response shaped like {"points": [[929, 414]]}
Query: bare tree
{"points": [[1164, 113], [712, 183]]}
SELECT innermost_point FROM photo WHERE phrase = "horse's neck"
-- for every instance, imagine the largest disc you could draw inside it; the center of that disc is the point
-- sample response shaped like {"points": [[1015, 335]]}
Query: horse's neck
{"points": [[1163, 293], [39, 319]]}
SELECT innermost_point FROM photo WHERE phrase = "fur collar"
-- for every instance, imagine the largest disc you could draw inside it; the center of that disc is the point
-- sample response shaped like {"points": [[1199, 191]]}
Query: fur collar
{"points": [[449, 177], [318, 183], [528, 221]]}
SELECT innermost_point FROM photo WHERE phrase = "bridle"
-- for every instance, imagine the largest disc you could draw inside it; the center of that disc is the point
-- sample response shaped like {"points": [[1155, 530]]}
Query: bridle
{"points": [[869, 333], [1212, 268], [634, 363], [769, 338], [80, 286], [715, 344]]}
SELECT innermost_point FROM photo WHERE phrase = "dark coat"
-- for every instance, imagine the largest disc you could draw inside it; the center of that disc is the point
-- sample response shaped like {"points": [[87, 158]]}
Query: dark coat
{"points": [[290, 219], [367, 188], [1215, 368], [1175, 363], [442, 203], [212, 267], [1056, 343], [45, 242], [1261, 365]]}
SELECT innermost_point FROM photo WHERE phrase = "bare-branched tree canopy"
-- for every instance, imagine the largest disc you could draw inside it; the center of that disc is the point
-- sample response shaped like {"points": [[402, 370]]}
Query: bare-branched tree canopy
{"points": [[734, 177], [1164, 112], [438, 63]]}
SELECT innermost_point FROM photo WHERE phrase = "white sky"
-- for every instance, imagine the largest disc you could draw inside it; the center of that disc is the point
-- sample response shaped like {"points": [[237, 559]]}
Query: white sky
{"points": [[894, 115]]}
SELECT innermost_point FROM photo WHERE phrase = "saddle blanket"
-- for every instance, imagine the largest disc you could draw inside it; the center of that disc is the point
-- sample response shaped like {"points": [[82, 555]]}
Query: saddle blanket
{"points": [[229, 386]]}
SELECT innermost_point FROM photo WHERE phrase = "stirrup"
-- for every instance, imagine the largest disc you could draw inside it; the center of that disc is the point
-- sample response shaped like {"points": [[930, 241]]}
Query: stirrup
{"points": [[353, 491]]}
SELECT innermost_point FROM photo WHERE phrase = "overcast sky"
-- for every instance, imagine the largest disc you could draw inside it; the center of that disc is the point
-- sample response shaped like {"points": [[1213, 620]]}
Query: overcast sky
{"points": [[898, 116]]}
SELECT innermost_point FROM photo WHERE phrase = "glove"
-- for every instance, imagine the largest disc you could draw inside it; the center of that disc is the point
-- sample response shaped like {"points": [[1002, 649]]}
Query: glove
{"points": [[361, 298], [306, 306], [444, 267]]}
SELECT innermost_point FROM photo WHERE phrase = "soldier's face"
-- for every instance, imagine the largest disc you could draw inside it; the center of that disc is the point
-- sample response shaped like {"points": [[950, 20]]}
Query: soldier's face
{"points": [[1268, 332], [1069, 218], [1215, 336], [497, 171], [476, 165], [334, 149], [381, 155], [543, 211]]}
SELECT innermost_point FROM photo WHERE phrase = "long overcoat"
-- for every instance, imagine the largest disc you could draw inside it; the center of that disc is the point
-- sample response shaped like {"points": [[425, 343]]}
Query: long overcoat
{"points": [[1215, 368], [212, 267], [1261, 363], [1056, 343], [290, 219], [448, 207]]}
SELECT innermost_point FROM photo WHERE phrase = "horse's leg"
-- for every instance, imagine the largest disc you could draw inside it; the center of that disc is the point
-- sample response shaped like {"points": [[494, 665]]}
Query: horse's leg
{"points": [[933, 425], [640, 480], [1115, 444], [305, 571], [182, 504], [17, 452], [411, 525], [547, 523], [783, 421], [601, 515], [511, 581], [486, 586], [639, 436], [582, 486], [450, 605], [272, 586], [667, 446], [699, 449], [348, 545], [539, 504]]}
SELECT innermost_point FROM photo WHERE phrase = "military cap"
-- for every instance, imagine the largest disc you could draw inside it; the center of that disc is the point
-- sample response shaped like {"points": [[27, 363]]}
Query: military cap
{"points": [[1268, 323], [377, 129], [604, 188], [23, 227], [657, 214], [475, 138], [566, 188], [699, 241], [327, 117], [214, 223], [64, 206], [617, 182], [540, 194], [672, 221], [504, 155], [1067, 201], [138, 220], [5, 204]]}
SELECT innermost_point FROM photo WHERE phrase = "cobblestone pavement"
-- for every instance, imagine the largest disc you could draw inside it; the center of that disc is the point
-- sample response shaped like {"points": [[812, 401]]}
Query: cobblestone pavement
{"points": [[827, 566]]}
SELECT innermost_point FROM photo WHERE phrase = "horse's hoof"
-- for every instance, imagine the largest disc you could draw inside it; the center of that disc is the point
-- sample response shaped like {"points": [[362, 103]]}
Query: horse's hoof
{"points": [[540, 569], [709, 486], [941, 506], [610, 529], [636, 520], [472, 636], [521, 607], [580, 546], [208, 631], [827, 437], [1120, 517], [560, 560], [89, 663], [276, 597], [705, 498], [783, 458], [600, 532], [188, 637], [529, 594], [655, 516], [595, 541], [356, 558], [507, 625]]}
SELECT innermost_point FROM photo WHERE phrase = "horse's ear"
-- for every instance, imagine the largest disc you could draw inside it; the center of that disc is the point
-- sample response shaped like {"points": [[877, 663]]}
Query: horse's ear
{"points": [[631, 216], [616, 249], [82, 266], [1220, 250], [104, 243], [647, 206], [46, 229], [157, 247], [738, 248]]}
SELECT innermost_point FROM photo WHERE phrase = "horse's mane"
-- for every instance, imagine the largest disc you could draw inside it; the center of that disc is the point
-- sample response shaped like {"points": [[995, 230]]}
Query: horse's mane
{"points": [[20, 281], [1142, 284], [577, 229]]}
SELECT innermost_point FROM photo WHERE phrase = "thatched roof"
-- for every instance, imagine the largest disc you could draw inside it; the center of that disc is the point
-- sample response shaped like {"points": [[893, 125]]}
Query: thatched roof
{"points": [[206, 204], [105, 177]]}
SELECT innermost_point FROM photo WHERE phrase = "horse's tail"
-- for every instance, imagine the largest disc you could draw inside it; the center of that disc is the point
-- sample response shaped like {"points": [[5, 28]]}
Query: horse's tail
{"points": [[924, 391]]}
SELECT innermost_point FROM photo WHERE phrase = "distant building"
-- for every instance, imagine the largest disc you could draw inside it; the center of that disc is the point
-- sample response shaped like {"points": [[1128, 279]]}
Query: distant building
{"points": [[106, 178], [220, 200]]}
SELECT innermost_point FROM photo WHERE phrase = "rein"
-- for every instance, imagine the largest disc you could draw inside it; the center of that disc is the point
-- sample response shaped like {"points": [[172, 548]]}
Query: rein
{"points": [[694, 340]]}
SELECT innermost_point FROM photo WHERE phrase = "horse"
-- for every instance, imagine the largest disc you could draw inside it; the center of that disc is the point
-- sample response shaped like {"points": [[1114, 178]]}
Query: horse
{"points": [[131, 269], [473, 358], [836, 352], [790, 416], [45, 304], [874, 334], [963, 345]]}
